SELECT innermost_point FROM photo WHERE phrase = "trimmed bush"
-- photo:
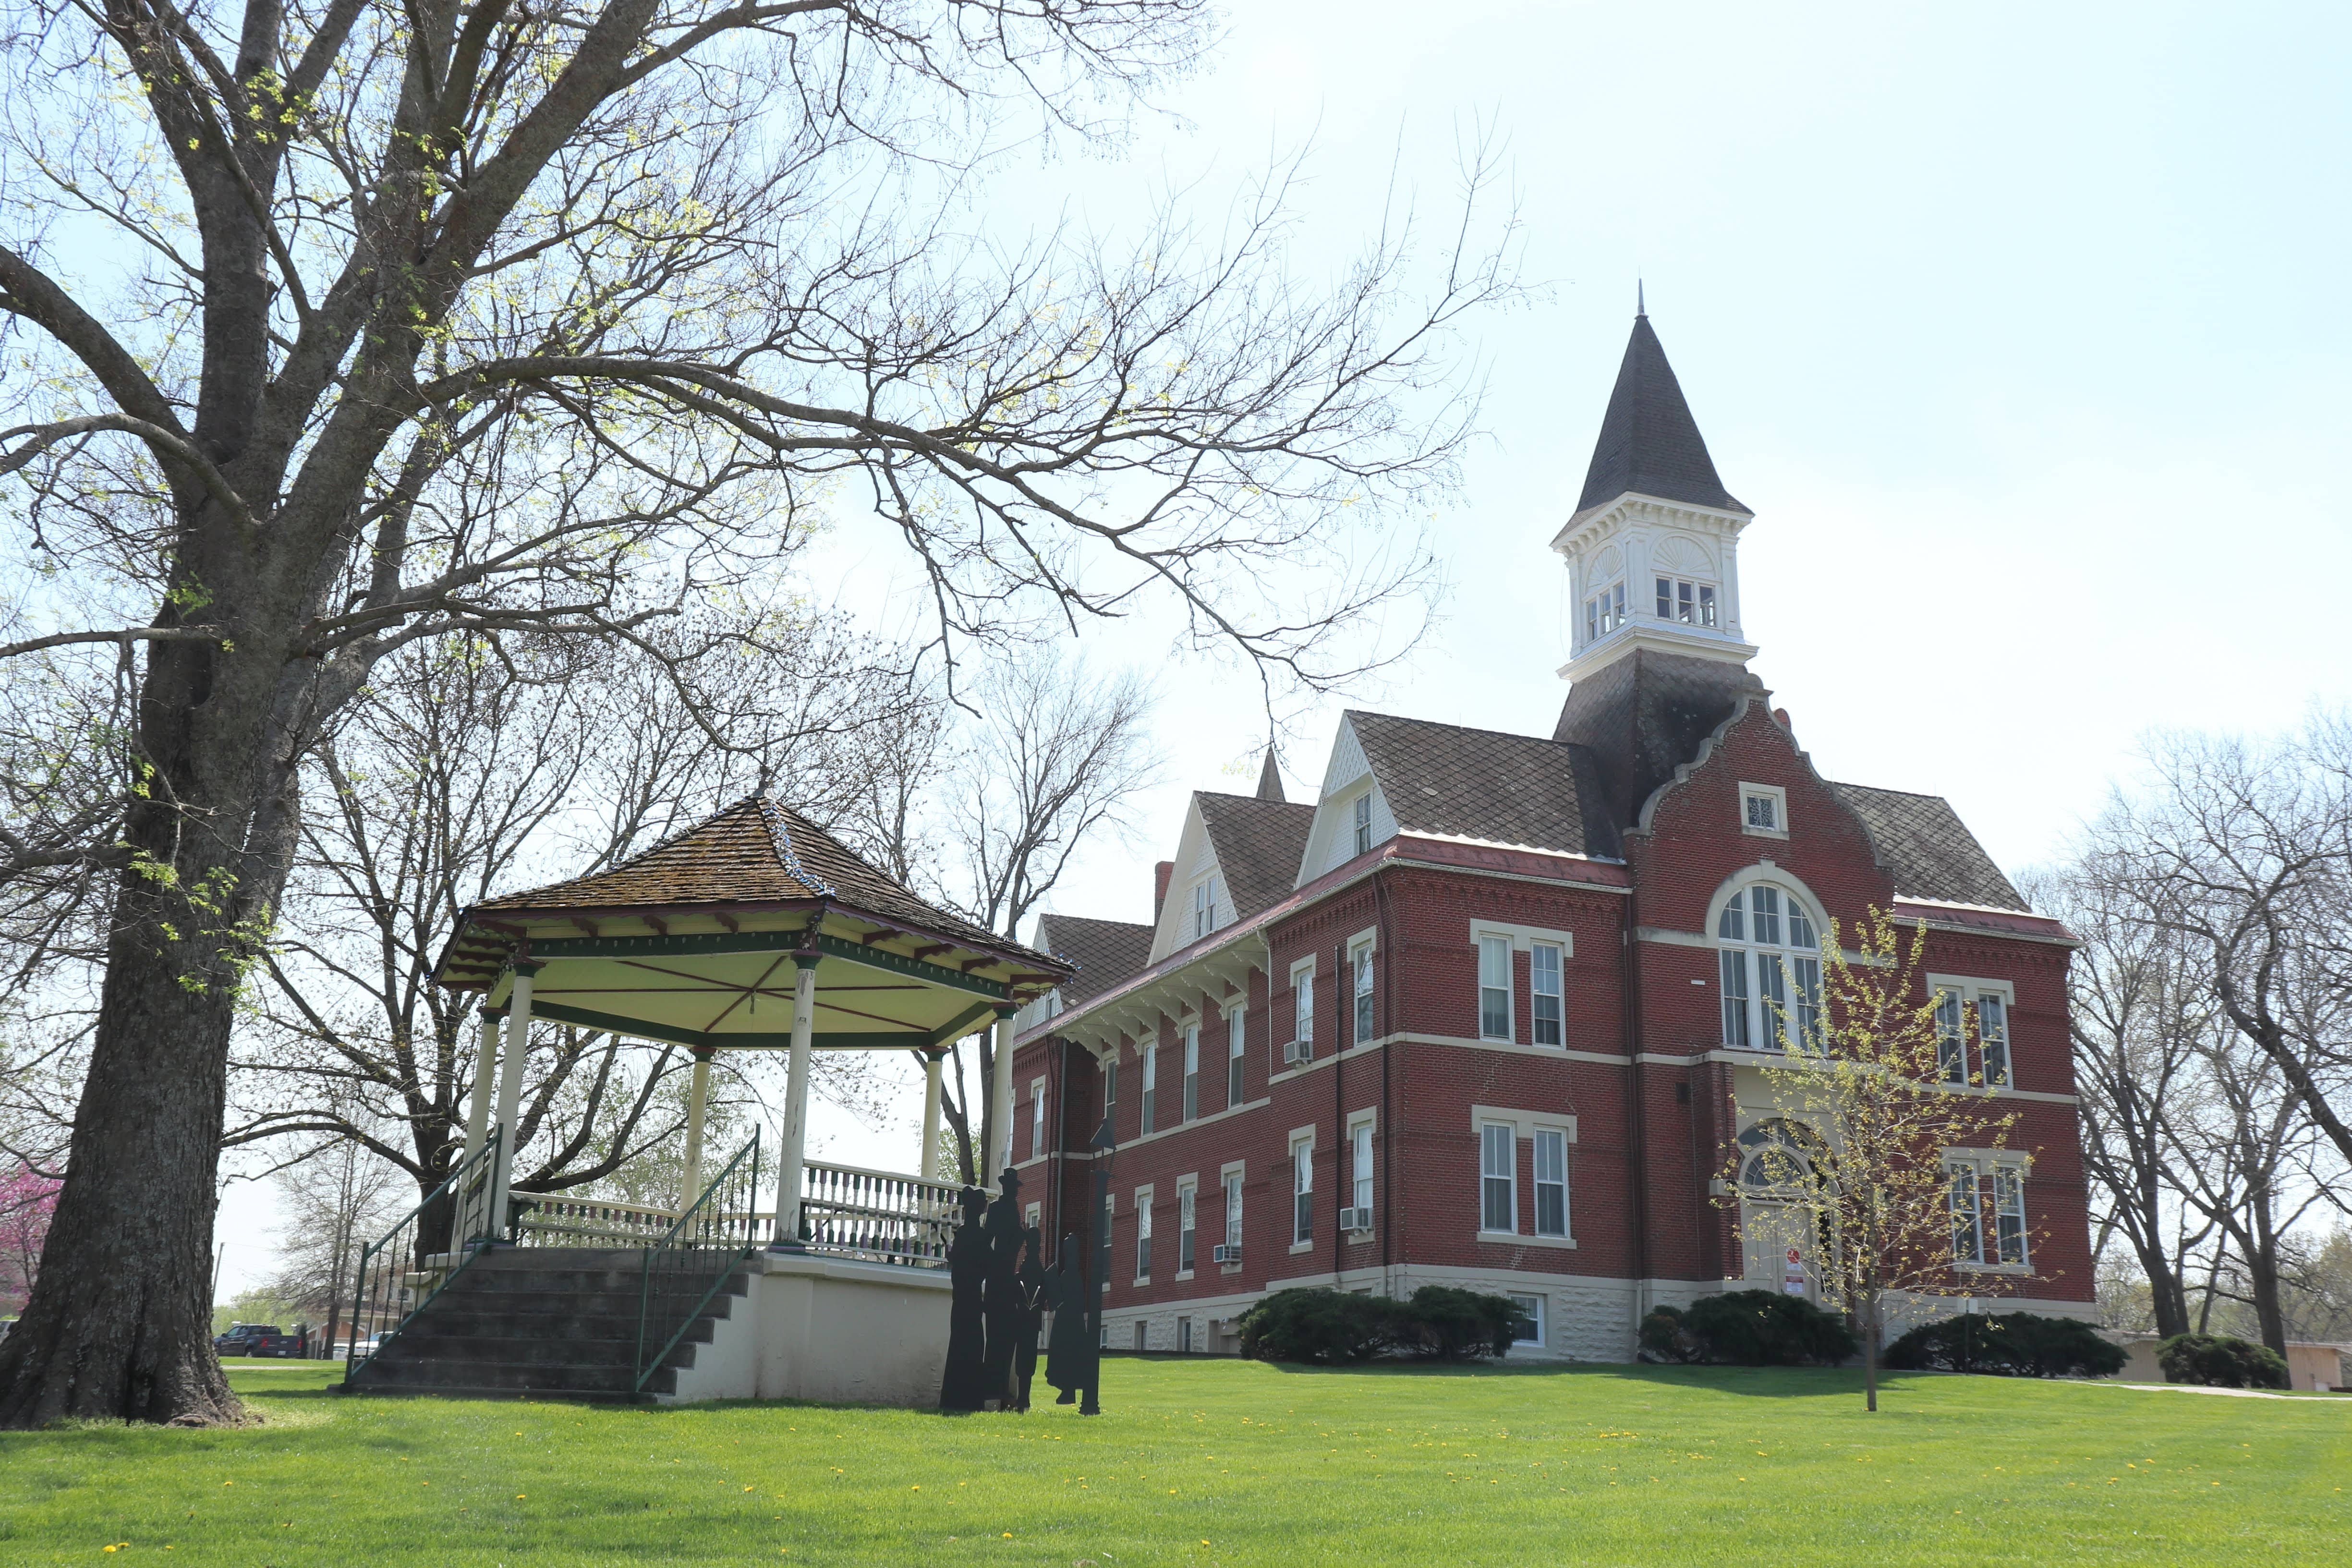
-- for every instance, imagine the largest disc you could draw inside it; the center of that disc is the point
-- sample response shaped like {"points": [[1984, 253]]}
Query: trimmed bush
{"points": [[2218, 1361], [1447, 1324], [1664, 1339], [1767, 1327], [1324, 1327], [2016, 1344]]}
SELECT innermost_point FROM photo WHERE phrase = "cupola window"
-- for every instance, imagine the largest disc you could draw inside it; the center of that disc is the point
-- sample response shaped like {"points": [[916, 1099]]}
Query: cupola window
{"points": [[1604, 612], [1692, 604]]}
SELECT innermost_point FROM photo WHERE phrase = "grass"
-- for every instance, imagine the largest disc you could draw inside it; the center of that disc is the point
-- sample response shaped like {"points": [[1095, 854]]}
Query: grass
{"points": [[1218, 1462]]}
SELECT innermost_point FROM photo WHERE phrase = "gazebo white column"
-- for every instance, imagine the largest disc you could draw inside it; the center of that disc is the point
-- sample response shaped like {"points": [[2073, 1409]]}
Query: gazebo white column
{"points": [[517, 1047], [697, 1097], [796, 1138], [999, 1103], [928, 1166], [486, 1072]]}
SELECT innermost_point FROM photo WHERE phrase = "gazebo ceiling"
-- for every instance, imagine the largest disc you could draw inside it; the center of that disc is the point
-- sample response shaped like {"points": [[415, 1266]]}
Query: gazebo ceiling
{"points": [[695, 941]]}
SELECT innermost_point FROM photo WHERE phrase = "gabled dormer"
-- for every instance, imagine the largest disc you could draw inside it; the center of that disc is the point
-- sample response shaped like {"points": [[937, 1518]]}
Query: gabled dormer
{"points": [[1653, 551], [1351, 814], [1236, 857]]}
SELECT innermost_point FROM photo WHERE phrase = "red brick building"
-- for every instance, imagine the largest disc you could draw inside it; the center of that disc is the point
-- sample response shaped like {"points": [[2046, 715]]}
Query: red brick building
{"points": [[1489, 1010]]}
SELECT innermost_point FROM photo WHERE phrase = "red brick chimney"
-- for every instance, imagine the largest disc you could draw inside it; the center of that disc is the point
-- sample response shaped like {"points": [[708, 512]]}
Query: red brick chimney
{"points": [[1782, 715], [1160, 875]]}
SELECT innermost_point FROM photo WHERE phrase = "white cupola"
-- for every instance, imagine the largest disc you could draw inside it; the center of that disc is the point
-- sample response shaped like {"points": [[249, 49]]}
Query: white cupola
{"points": [[1653, 552]]}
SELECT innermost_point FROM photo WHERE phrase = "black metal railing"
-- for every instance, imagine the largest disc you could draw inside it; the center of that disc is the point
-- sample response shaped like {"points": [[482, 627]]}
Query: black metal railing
{"points": [[415, 1259], [691, 1262]]}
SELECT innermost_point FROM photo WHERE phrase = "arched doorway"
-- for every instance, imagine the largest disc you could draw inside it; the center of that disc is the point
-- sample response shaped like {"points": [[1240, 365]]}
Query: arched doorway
{"points": [[1779, 1209]]}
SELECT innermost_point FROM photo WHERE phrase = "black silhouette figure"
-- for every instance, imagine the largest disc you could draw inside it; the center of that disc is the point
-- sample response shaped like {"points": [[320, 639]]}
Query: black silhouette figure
{"points": [[1033, 1315], [965, 1383], [1065, 1346], [1002, 1306]]}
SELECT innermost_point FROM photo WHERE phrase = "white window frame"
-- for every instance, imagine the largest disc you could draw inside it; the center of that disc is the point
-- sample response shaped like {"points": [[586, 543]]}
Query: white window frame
{"points": [[1537, 996], [1236, 1042], [1302, 1189], [1360, 823], [1361, 978], [1767, 984], [1302, 1001], [1231, 1180], [1191, 1099], [1998, 1177], [1361, 1159], [1775, 799], [1037, 1119], [1147, 1095], [1488, 945], [1536, 1317], [1144, 1236], [1969, 992], [1496, 1188], [1188, 1197], [1557, 1136]]}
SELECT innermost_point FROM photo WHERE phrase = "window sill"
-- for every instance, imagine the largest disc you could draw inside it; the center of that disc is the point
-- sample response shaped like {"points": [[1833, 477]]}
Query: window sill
{"points": [[1142, 1280], [1229, 1269], [1780, 833], [2016, 1271], [1298, 1247], [1182, 1275], [1358, 1237], [1520, 1239]]}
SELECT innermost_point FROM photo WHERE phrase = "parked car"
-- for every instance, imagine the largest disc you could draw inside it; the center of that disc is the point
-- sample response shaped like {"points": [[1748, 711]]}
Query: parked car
{"points": [[258, 1339]]}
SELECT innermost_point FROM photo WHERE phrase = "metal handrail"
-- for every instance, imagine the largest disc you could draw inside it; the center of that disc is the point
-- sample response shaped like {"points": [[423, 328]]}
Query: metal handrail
{"points": [[718, 1222], [467, 1197]]}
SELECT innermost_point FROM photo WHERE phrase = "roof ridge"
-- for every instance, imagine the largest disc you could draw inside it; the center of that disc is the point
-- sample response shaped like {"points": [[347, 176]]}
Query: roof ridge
{"points": [[1459, 729], [780, 840]]}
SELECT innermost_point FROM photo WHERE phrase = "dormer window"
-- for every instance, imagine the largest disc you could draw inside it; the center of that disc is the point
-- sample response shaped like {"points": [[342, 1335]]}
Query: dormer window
{"points": [[1604, 612], [1692, 604], [1362, 815], [1204, 908]]}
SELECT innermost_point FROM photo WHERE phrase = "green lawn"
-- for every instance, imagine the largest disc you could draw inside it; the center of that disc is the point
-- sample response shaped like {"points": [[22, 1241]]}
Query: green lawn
{"points": [[1204, 1462]]}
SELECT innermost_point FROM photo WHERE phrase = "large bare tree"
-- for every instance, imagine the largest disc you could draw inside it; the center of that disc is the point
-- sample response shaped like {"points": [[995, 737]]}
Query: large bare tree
{"points": [[666, 277]]}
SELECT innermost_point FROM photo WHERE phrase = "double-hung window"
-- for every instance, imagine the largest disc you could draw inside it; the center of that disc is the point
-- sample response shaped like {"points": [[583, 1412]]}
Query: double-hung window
{"points": [[1036, 1121], [1494, 988], [1529, 1328], [1498, 1177], [1951, 1040], [1359, 1163], [1110, 1090], [1967, 1006], [1360, 821], [1302, 1190], [1302, 990], [1184, 1229], [1968, 1219], [1232, 1208], [1992, 1036], [1552, 1181], [1770, 966], [1191, 1071], [1604, 612], [1204, 908], [1546, 996], [2008, 1213], [1143, 1233], [1236, 1036], [1691, 604], [1150, 1081], [1361, 966]]}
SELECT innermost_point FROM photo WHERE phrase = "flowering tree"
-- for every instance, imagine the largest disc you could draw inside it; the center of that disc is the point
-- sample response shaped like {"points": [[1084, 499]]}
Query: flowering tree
{"points": [[27, 1198], [1867, 1065]]}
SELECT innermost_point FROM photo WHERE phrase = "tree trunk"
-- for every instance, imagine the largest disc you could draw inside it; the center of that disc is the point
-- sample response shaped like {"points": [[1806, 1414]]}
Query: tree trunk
{"points": [[117, 1324], [1870, 1352]]}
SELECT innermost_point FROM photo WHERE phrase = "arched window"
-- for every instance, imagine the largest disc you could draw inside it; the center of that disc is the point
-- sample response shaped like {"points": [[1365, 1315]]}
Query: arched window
{"points": [[1771, 970], [1775, 1162]]}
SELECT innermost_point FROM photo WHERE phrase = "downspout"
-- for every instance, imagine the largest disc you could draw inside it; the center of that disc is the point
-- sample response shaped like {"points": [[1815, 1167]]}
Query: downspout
{"points": [[1383, 924], [1637, 1140]]}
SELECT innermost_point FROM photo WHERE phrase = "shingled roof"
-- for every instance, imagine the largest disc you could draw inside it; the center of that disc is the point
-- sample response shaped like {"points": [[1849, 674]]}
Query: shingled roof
{"points": [[1445, 780], [1649, 442], [1930, 851], [1106, 952], [1258, 843], [756, 851]]}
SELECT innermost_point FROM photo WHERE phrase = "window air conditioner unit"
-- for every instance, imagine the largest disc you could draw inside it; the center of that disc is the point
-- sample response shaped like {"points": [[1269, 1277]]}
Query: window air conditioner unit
{"points": [[1298, 1051], [1223, 1254], [1356, 1219]]}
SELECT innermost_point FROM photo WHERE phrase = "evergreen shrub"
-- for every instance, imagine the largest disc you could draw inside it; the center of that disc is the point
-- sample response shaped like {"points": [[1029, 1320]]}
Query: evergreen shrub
{"points": [[1767, 1327], [2218, 1361], [2015, 1345], [1664, 1338], [1323, 1327]]}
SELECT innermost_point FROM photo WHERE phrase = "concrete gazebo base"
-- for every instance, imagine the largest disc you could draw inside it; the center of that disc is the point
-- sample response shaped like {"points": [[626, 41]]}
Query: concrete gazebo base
{"points": [[837, 1330]]}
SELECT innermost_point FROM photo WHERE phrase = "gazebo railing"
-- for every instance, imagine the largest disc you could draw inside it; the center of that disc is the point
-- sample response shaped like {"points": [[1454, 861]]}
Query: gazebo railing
{"points": [[884, 1217], [417, 1258], [691, 1261], [551, 1219]]}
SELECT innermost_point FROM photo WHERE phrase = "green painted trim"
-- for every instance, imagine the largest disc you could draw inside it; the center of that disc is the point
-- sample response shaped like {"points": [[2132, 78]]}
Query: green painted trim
{"points": [[705, 1039], [956, 1028], [899, 963], [710, 942]]}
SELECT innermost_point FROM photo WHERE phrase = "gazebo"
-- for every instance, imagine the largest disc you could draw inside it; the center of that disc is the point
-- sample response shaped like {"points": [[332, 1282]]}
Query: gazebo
{"points": [[755, 930]]}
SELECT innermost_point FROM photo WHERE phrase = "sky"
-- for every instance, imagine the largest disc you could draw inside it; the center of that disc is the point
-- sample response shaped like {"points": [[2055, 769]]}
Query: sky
{"points": [[2021, 330]]}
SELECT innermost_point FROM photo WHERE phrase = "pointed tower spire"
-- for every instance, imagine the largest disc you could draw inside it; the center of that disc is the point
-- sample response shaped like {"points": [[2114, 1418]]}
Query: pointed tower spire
{"points": [[1649, 443], [1641, 306], [1269, 779]]}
